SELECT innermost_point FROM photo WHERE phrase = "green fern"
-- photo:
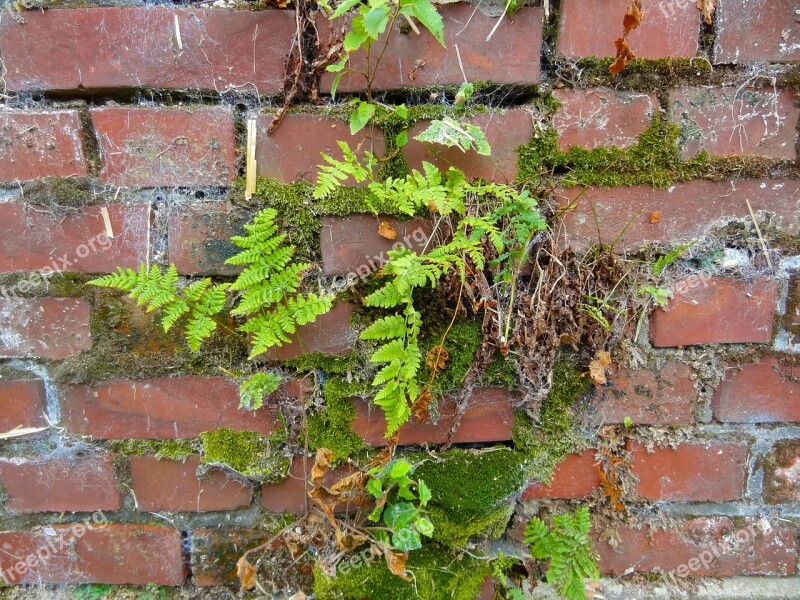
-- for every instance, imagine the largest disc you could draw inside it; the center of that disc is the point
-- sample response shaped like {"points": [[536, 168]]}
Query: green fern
{"points": [[568, 547], [195, 305], [256, 388]]}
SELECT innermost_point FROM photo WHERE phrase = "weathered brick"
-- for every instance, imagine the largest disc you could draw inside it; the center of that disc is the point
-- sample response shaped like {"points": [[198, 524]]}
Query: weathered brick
{"points": [[489, 418], [601, 117], [22, 404], [512, 55], [709, 310], [40, 144], [762, 392], [782, 473], [574, 477], [37, 239], [687, 210], [706, 546], [352, 244], [165, 407], [136, 47], [661, 397], [102, 553], [199, 237], [44, 327], [757, 31], [665, 31], [733, 121], [292, 151], [329, 334], [214, 553], [48, 484], [715, 472], [151, 147], [505, 132], [175, 486]]}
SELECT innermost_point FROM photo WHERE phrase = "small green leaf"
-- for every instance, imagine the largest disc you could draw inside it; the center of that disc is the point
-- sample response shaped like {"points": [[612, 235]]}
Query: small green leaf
{"points": [[628, 422], [336, 67], [375, 515], [335, 84], [375, 20], [361, 116], [401, 139], [424, 526], [427, 14], [464, 93], [401, 111], [399, 469], [344, 7], [424, 493], [354, 40], [399, 515], [374, 487], [406, 539]]}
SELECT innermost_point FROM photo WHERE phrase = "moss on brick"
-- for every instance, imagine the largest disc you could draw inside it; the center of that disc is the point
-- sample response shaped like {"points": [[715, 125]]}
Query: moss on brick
{"points": [[461, 343], [246, 452], [436, 575], [332, 426], [178, 449]]}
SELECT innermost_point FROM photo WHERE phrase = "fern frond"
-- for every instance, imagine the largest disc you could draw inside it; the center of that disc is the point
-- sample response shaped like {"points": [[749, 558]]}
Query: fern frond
{"points": [[387, 328], [256, 388]]}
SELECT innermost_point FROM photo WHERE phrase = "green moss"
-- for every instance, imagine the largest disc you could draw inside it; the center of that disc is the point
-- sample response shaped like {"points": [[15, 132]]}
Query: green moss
{"points": [[470, 491], [547, 443], [461, 344], [436, 575], [178, 449], [646, 75], [329, 364], [246, 452], [332, 427], [501, 372]]}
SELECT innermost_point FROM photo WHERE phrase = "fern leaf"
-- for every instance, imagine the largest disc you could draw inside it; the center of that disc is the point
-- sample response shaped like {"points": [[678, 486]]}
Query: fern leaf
{"points": [[387, 328]]}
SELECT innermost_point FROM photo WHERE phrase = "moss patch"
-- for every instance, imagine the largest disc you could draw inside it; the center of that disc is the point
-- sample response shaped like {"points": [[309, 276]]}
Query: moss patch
{"points": [[461, 344], [246, 452], [161, 449], [332, 427], [470, 490], [547, 443], [437, 575]]}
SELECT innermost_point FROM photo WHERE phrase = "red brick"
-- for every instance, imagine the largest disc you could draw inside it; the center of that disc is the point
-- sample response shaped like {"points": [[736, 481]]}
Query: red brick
{"points": [[709, 310], [512, 55], [504, 131], [687, 210], [352, 244], [199, 237], [782, 473], [22, 404], [575, 477], [132, 47], [662, 397], [165, 407], [488, 418], [329, 334], [107, 553], [292, 152], [695, 472], [757, 31], [44, 327], [36, 239], [591, 30], [175, 486], [214, 553], [151, 147], [75, 484], [733, 121], [762, 392], [602, 117], [40, 144], [770, 552], [290, 494]]}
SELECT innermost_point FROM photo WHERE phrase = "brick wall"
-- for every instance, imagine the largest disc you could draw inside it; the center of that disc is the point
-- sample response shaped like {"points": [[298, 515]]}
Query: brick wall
{"points": [[118, 147]]}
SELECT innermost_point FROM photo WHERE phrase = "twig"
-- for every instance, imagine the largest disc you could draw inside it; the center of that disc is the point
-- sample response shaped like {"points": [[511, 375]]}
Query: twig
{"points": [[760, 237], [460, 64], [178, 39], [500, 20]]}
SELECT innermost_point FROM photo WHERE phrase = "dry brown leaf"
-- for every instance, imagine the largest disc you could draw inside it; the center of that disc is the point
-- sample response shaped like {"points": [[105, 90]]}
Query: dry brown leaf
{"points": [[386, 230], [298, 596], [321, 464], [396, 561], [438, 357], [633, 17], [597, 367], [421, 405], [327, 502], [707, 7], [624, 56], [349, 541], [246, 574], [346, 484], [655, 217]]}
